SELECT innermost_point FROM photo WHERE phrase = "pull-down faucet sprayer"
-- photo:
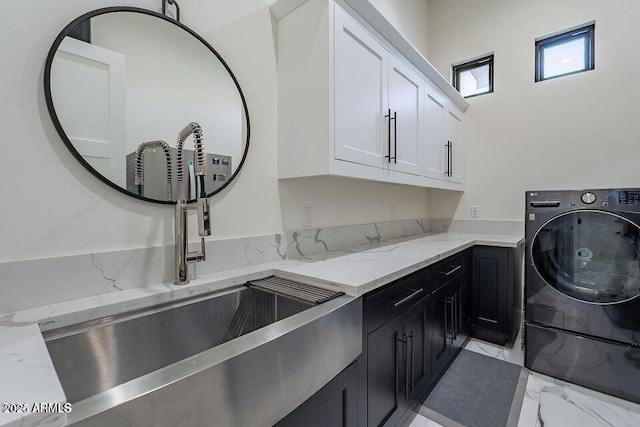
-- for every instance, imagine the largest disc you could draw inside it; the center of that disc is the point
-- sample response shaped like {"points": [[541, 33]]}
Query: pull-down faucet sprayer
{"points": [[139, 169], [183, 257]]}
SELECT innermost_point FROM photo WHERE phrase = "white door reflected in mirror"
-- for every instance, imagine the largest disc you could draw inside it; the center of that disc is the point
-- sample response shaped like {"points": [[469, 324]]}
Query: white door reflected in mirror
{"points": [[124, 76]]}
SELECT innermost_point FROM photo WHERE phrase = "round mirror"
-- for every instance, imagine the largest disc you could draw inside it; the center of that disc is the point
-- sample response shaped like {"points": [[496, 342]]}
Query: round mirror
{"points": [[120, 85]]}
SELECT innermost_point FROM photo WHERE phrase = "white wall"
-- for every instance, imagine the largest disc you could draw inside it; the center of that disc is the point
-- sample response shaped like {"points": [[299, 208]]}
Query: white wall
{"points": [[52, 206], [159, 104], [573, 132], [335, 200], [410, 18]]}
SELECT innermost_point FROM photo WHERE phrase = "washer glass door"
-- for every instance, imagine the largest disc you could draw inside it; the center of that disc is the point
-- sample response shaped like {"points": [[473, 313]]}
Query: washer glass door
{"points": [[591, 256]]}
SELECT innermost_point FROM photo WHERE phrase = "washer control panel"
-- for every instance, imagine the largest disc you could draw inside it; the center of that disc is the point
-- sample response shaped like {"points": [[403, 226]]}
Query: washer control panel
{"points": [[624, 199], [629, 197], [588, 198]]}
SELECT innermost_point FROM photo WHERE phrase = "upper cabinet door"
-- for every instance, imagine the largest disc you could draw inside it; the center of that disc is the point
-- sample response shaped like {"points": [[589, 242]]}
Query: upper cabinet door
{"points": [[436, 154], [455, 137], [360, 94], [406, 94]]}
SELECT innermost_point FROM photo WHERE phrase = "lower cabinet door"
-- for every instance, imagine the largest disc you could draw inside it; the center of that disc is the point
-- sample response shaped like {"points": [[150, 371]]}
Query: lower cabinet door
{"points": [[416, 329], [456, 303], [490, 288], [333, 405], [440, 325], [387, 398], [465, 295]]}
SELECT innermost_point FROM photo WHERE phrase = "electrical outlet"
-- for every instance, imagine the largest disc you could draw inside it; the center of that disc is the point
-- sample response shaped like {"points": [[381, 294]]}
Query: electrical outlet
{"points": [[394, 212], [306, 216], [475, 211]]}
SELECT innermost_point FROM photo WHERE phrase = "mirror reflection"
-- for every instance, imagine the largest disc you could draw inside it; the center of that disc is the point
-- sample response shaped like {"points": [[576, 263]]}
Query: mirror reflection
{"points": [[125, 82]]}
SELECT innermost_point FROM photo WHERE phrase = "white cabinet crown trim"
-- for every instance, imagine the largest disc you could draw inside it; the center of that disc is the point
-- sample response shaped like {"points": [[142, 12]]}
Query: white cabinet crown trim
{"points": [[368, 12]]}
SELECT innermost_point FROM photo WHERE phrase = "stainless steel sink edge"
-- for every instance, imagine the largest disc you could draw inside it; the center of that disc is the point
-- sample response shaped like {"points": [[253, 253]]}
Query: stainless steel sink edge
{"points": [[144, 310], [78, 311], [329, 333]]}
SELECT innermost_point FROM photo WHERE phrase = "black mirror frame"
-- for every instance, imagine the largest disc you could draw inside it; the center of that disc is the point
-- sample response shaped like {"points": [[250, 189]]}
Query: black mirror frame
{"points": [[65, 138]]}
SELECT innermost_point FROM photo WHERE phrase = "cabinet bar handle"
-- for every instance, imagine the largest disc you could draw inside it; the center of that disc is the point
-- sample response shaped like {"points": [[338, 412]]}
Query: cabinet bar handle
{"points": [[446, 323], [453, 319], [412, 361], [450, 158], [406, 366], [446, 172], [397, 340], [395, 137], [388, 116], [452, 271], [405, 355], [408, 297], [456, 324], [459, 304]]}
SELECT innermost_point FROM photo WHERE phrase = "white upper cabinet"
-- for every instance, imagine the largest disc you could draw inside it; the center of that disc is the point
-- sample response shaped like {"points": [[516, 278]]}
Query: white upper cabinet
{"points": [[350, 104], [378, 102], [361, 98], [456, 144], [436, 144], [405, 118], [444, 143]]}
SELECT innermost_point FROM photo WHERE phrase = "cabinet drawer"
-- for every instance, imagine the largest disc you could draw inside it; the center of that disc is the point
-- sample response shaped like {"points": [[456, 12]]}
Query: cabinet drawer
{"points": [[384, 305], [446, 270]]}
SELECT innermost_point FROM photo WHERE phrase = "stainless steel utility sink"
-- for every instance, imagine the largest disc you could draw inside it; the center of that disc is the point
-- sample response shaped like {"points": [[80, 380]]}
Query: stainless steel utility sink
{"points": [[101, 354], [238, 357]]}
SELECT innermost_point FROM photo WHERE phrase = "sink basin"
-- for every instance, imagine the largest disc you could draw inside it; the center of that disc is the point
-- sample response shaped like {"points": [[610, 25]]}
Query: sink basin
{"points": [[239, 357], [101, 354]]}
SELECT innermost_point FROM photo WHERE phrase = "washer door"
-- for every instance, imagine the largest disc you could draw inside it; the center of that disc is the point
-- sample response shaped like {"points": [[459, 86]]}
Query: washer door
{"points": [[590, 256]]}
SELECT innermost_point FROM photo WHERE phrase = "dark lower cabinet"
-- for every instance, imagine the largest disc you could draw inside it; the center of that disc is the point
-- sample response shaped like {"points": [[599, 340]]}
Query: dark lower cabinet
{"points": [[385, 368], [412, 330], [448, 331], [458, 330], [417, 341], [398, 367], [439, 325], [416, 334], [466, 315], [333, 405], [496, 293]]}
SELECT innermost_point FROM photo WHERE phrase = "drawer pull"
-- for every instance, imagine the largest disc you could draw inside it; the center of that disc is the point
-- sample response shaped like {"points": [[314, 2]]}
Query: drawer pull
{"points": [[408, 297], [452, 271]]}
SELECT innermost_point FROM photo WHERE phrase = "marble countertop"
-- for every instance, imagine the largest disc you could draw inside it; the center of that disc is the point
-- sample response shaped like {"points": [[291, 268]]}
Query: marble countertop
{"points": [[28, 377], [366, 268]]}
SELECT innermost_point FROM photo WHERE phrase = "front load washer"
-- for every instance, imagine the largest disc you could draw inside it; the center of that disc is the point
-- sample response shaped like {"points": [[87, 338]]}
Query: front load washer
{"points": [[582, 288]]}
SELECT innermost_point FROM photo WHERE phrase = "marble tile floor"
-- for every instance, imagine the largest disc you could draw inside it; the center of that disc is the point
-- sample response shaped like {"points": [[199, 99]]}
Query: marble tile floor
{"points": [[550, 402]]}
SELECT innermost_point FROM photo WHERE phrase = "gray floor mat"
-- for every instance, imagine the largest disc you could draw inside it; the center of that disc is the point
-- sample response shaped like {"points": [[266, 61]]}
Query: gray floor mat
{"points": [[477, 391]]}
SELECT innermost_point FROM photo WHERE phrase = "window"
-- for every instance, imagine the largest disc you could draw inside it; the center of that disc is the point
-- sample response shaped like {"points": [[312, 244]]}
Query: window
{"points": [[475, 77], [567, 53], [82, 31]]}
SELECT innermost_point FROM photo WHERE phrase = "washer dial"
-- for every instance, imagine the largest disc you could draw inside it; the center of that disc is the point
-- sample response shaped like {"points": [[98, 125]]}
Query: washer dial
{"points": [[588, 198]]}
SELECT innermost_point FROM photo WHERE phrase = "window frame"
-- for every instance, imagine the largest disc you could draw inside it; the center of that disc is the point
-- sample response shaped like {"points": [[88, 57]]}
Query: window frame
{"points": [[458, 68], [82, 31], [586, 31]]}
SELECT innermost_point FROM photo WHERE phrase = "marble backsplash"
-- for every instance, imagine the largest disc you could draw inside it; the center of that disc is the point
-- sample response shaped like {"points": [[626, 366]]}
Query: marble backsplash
{"points": [[33, 283], [38, 282], [443, 225]]}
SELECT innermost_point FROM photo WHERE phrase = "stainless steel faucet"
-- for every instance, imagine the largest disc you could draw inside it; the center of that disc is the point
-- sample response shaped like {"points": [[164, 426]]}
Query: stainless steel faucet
{"points": [[139, 169], [183, 257]]}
